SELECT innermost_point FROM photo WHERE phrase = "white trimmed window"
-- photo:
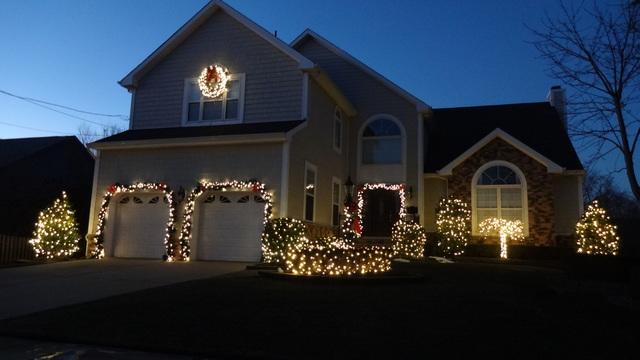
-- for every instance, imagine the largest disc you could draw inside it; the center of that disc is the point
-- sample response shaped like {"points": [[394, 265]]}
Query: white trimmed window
{"points": [[201, 110], [382, 143], [310, 185], [499, 191], [337, 130], [336, 196]]}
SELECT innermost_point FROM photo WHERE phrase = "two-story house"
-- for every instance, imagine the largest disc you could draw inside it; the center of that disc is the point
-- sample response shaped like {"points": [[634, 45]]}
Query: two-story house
{"points": [[301, 119]]}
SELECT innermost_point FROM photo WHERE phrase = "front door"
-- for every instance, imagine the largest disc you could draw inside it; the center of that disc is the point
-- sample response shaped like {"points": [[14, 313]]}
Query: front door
{"points": [[380, 212]]}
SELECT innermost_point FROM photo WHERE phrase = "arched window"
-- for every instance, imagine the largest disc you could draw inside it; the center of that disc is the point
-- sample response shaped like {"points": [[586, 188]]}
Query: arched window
{"points": [[382, 142], [500, 191]]}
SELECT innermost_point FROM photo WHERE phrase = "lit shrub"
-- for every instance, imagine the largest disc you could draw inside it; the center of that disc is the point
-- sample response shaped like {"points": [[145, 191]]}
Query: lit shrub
{"points": [[408, 239], [309, 257], [453, 221], [56, 234], [505, 229], [596, 234], [278, 234]]}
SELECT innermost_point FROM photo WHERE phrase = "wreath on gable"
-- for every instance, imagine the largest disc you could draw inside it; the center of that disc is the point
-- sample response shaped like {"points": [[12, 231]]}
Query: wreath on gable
{"points": [[213, 80]]}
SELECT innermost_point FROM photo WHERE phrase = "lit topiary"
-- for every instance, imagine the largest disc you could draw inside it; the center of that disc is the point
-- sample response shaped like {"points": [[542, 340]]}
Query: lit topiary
{"points": [[278, 234], [56, 234], [595, 233], [506, 229], [408, 239], [453, 221]]}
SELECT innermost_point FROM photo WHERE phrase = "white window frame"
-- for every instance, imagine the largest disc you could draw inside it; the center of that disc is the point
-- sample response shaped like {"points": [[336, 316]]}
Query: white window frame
{"points": [[338, 116], [309, 166], [185, 103], [336, 181], [387, 173], [474, 193]]}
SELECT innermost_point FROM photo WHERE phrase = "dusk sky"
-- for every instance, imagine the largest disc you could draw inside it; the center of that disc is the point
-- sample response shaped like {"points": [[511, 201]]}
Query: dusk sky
{"points": [[448, 53]]}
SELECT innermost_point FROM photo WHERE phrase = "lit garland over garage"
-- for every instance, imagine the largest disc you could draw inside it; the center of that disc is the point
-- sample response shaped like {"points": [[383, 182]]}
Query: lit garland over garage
{"points": [[204, 186], [113, 190]]}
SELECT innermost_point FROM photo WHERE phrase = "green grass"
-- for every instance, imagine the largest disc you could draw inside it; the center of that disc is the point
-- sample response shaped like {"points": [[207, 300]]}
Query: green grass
{"points": [[461, 310]]}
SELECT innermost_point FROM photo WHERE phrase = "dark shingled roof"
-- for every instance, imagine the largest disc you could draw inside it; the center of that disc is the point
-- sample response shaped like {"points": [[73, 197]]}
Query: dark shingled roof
{"points": [[454, 130], [12, 150], [199, 131]]}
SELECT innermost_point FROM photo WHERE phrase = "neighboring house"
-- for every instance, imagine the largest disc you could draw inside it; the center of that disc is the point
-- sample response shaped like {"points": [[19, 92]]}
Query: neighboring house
{"points": [[34, 172], [302, 119]]}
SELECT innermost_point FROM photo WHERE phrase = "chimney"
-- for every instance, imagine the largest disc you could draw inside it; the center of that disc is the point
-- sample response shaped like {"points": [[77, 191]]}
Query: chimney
{"points": [[558, 100]]}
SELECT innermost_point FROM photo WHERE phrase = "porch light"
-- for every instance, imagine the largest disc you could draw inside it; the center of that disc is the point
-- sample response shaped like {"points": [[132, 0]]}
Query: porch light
{"points": [[349, 187]]}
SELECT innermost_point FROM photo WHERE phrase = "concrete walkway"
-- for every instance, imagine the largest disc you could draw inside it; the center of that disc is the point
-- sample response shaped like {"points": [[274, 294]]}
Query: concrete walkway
{"points": [[29, 289]]}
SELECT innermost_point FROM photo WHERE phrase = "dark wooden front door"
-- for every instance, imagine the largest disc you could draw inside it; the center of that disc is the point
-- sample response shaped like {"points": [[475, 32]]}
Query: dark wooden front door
{"points": [[380, 212]]}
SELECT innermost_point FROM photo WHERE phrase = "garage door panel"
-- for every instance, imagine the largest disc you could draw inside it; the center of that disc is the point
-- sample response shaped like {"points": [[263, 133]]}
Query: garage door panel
{"points": [[139, 226], [230, 225]]}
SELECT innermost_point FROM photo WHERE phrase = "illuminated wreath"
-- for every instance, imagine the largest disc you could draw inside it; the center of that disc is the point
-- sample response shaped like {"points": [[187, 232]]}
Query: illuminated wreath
{"points": [[186, 232], [98, 251], [352, 226], [213, 80]]}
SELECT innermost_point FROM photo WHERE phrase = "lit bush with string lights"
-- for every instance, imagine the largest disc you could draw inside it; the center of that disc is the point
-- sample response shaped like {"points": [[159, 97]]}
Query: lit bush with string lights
{"points": [[408, 239], [279, 234], [56, 234], [596, 234], [331, 257], [453, 221]]}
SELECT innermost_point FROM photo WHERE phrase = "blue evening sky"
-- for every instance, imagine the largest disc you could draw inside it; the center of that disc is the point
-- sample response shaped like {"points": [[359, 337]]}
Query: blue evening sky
{"points": [[448, 53]]}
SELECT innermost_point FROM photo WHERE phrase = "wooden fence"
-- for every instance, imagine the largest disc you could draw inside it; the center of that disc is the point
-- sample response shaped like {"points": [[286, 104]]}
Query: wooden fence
{"points": [[14, 248]]}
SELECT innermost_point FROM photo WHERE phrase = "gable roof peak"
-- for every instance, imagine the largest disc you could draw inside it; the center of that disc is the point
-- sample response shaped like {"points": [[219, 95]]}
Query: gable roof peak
{"points": [[131, 79], [421, 106]]}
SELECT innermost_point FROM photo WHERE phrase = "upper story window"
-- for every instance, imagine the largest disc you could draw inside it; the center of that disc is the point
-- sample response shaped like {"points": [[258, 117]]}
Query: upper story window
{"points": [[382, 142], [499, 191], [228, 108], [337, 130]]}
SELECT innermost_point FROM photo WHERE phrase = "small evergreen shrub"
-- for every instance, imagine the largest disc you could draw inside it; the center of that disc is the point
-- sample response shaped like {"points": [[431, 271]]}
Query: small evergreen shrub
{"points": [[278, 234], [408, 239], [453, 221]]}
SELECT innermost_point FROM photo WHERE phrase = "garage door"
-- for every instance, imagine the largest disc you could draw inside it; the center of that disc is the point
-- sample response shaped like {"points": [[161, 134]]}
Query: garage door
{"points": [[229, 226], [139, 226]]}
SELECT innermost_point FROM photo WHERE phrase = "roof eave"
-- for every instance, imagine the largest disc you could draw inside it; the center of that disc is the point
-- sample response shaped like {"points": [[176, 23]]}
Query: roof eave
{"points": [[274, 137], [421, 106], [130, 80]]}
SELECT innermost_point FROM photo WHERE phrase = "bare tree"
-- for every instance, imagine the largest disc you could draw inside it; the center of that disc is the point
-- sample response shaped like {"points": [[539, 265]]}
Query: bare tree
{"points": [[595, 51], [87, 134]]}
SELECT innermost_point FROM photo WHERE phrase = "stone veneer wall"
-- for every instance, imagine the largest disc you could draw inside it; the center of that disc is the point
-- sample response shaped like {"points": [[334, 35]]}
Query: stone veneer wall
{"points": [[539, 187]]}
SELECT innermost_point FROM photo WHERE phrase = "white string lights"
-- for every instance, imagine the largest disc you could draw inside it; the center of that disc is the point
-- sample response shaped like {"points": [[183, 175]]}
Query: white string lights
{"points": [[453, 221], [56, 232], [213, 80], [98, 246], [595, 233], [205, 185], [506, 229]]}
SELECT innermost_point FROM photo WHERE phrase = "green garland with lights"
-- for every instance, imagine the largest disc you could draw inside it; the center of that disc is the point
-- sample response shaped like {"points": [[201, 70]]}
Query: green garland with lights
{"points": [[115, 189], [453, 223], [595, 233], [56, 232], [184, 239], [408, 239]]}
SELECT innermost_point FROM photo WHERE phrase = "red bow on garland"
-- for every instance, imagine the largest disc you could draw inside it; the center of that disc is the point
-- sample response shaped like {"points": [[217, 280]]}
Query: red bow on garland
{"points": [[212, 75]]}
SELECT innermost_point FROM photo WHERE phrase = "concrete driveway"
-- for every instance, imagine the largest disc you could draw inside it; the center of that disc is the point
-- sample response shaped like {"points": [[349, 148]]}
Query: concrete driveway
{"points": [[29, 289]]}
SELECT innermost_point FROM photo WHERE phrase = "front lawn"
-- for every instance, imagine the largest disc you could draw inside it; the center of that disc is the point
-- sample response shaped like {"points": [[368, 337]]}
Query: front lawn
{"points": [[460, 310]]}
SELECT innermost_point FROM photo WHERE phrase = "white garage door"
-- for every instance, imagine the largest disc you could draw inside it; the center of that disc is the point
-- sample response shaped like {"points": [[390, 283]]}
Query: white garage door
{"points": [[139, 226], [229, 226]]}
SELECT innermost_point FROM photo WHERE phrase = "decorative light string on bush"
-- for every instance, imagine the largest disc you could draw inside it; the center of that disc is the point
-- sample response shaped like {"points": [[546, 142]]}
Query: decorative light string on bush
{"points": [[56, 232], [453, 222], [408, 239], [205, 185], [595, 233], [113, 190]]}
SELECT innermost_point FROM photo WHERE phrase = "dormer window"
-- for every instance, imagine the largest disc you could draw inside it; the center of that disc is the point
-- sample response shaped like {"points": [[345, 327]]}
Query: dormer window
{"points": [[225, 109]]}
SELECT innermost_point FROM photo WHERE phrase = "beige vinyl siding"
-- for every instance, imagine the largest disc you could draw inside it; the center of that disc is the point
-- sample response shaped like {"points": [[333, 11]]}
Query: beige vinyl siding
{"points": [[273, 85], [370, 97], [314, 144], [185, 166], [434, 190], [566, 202]]}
